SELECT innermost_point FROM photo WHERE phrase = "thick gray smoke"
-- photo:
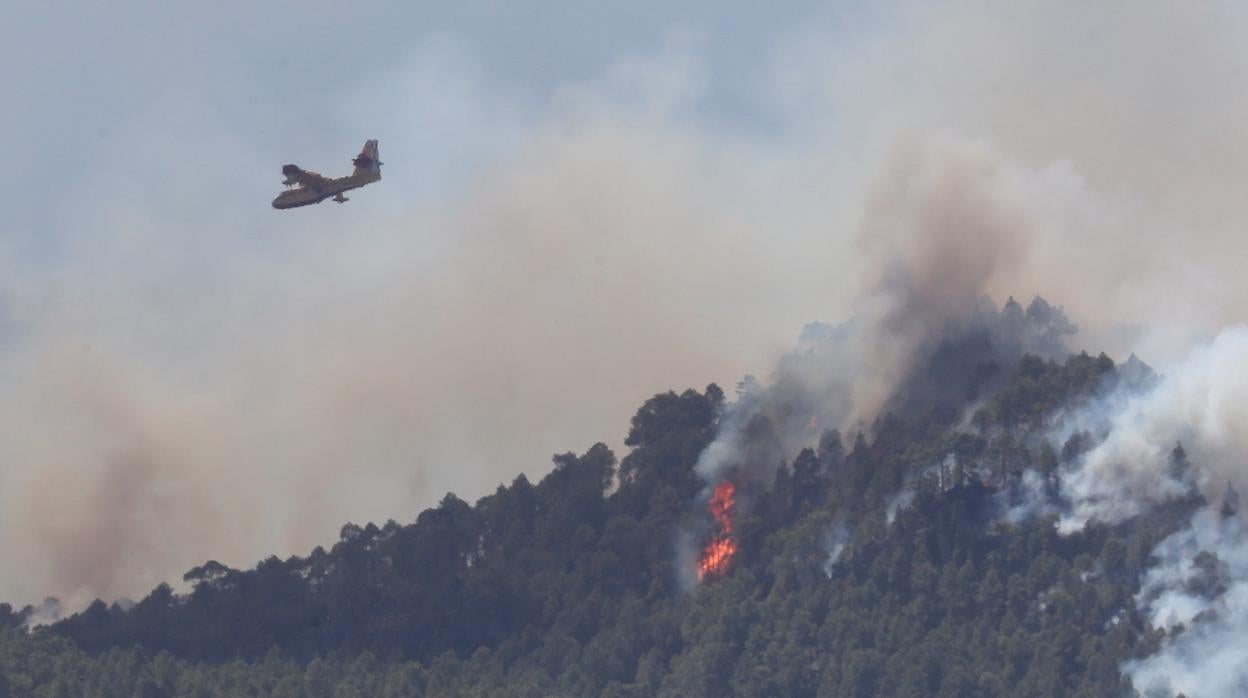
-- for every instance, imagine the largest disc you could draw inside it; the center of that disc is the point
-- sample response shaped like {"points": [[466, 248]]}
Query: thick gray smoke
{"points": [[945, 224]]}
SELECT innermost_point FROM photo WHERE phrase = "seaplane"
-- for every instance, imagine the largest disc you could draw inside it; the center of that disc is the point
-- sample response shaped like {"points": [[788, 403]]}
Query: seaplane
{"points": [[313, 188]]}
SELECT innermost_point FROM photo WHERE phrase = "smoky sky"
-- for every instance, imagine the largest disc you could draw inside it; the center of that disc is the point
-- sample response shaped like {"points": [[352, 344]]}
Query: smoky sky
{"points": [[580, 207]]}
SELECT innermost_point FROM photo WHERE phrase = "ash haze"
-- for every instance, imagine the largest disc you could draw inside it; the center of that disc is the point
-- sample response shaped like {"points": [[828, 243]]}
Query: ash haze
{"points": [[582, 207]]}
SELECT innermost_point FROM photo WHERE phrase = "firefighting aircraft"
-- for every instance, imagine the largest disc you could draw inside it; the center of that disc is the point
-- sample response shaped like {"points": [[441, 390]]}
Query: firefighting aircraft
{"points": [[312, 188]]}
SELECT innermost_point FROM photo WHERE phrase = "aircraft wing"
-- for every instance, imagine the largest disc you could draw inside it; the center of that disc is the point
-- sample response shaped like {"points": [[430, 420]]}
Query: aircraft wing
{"points": [[304, 178]]}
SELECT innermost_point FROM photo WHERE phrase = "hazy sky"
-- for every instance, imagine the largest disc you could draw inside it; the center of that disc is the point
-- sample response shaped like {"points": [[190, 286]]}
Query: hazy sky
{"points": [[155, 303], [583, 204], [287, 80]]}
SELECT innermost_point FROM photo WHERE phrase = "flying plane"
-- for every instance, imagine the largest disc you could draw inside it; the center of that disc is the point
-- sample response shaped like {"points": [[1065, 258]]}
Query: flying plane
{"points": [[313, 188]]}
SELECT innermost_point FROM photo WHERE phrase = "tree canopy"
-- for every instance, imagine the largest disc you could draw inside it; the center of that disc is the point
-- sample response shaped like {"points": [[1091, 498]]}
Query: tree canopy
{"points": [[841, 585]]}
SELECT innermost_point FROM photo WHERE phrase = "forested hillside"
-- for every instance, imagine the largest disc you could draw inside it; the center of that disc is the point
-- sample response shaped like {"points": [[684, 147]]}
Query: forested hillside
{"points": [[918, 556]]}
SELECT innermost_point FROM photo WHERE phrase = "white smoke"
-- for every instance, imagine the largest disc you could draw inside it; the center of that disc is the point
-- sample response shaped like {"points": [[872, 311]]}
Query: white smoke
{"points": [[834, 544], [1028, 499], [897, 502], [1201, 580], [1200, 402], [49, 611], [1198, 592]]}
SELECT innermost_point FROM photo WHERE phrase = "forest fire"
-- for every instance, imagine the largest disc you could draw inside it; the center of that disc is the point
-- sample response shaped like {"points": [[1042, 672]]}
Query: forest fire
{"points": [[717, 555]]}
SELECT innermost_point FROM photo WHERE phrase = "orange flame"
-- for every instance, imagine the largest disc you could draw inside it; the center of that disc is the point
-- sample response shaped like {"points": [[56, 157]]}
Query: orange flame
{"points": [[718, 553]]}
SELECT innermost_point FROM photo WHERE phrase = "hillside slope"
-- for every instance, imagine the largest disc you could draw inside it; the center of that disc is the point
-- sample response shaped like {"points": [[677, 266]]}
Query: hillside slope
{"points": [[920, 556]]}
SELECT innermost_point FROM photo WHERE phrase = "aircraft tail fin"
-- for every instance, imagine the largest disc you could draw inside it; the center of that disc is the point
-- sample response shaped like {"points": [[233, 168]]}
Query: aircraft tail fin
{"points": [[369, 159]]}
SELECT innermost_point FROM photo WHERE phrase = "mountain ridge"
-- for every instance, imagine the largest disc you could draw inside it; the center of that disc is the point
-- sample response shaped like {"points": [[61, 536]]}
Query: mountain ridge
{"points": [[923, 557]]}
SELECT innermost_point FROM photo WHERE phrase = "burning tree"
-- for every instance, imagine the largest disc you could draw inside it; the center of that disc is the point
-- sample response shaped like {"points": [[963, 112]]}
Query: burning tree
{"points": [[717, 556]]}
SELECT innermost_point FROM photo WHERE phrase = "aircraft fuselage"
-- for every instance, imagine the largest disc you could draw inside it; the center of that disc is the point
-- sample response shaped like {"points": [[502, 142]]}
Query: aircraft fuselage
{"points": [[305, 196]]}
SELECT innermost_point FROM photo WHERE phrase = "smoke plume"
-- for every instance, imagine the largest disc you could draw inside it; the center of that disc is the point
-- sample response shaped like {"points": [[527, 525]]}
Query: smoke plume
{"points": [[1198, 592], [1156, 443], [1199, 402], [945, 224], [187, 376]]}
